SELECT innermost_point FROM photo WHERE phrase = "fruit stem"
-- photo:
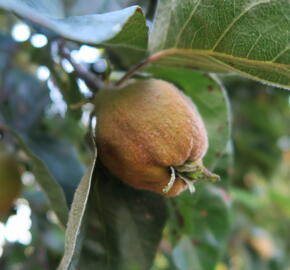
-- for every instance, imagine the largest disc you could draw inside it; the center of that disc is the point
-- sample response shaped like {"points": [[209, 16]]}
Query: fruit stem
{"points": [[194, 171], [190, 172], [92, 81], [142, 64]]}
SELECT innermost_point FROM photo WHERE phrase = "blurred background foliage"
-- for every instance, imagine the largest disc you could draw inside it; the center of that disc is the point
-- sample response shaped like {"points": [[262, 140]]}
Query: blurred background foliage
{"points": [[37, 87]]}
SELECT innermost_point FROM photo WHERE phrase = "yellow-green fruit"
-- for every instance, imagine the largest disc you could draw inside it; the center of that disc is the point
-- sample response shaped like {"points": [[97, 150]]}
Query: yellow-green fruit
{"points": [[10, 183], [146, 127]]}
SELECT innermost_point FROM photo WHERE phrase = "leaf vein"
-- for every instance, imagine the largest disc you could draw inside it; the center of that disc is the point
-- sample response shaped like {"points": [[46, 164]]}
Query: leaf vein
{"points": [[186, 23], [281, 53], [253, 46], [230, 26]]}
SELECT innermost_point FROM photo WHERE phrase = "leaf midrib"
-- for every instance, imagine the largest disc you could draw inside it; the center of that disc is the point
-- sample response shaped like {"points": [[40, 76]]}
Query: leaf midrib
{"points": [[212, 53]]}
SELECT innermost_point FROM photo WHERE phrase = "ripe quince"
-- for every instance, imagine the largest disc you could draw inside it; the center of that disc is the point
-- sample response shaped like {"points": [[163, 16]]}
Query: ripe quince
{"points": [[151, 136]]}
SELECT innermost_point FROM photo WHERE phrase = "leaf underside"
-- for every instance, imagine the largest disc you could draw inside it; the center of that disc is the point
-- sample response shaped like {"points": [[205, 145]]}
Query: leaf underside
{"points": [[126, 27]]}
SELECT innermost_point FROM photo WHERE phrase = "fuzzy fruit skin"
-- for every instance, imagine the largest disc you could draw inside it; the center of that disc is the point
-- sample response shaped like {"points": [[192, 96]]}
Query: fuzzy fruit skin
{"points": [[145, 127], [10, 183]]}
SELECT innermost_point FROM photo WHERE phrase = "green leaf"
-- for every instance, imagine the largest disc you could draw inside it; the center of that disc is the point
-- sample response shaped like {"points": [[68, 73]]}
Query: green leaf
{"points": [[119, 57], [48, 184], [249, 37], [211, 100], [199, 227], [126, 27], [60, 157], [225, 166], [124, 226], [75, 227]]}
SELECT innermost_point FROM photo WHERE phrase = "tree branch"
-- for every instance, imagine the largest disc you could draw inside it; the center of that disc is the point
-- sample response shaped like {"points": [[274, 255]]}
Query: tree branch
{"points": [[92, 81]]}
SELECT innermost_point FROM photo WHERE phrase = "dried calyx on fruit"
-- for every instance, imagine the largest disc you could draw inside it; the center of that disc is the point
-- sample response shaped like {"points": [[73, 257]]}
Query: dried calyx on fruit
{"points": [[10, 182], [151, 136]]}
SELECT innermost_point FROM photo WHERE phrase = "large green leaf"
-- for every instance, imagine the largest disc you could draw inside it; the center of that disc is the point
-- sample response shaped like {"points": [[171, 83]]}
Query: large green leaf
{"points": [[211, 100], [49, 185], [60, 157], [250, 37], [203, 223], [124, 226], [126, 27]]}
